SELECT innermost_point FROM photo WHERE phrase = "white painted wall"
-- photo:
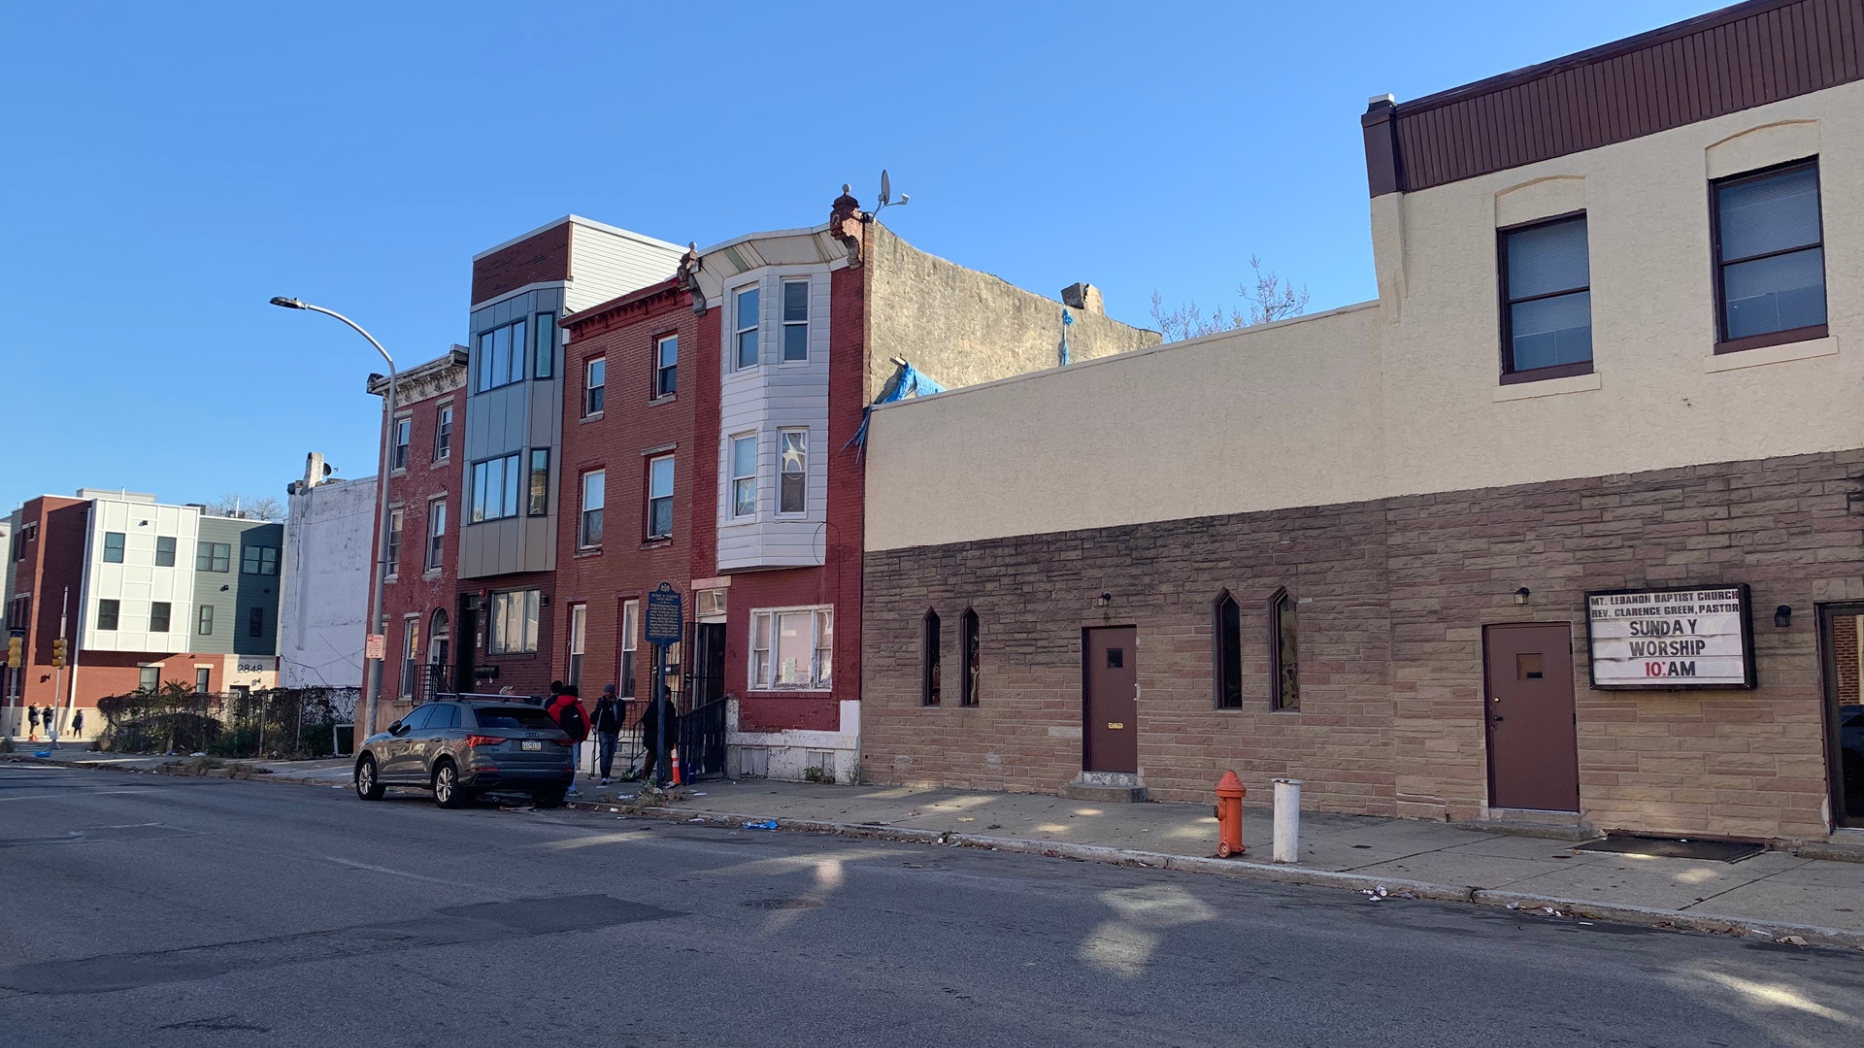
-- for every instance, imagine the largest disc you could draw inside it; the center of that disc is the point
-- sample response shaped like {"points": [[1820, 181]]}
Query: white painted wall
{"points": [[324, 592], [138, 583]]}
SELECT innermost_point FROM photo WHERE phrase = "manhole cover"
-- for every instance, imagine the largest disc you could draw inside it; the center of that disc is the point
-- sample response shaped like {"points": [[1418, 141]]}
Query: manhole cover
{"points": [[780, 904]]}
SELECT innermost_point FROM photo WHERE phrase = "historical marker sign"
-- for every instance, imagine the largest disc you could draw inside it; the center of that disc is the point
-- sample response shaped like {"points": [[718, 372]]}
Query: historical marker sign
{"points": [[665, 624], [1665, 640]]}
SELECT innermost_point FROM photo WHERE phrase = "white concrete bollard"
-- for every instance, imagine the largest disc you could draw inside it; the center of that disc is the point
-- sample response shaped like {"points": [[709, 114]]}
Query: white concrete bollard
{"points": [[1287, 820]]}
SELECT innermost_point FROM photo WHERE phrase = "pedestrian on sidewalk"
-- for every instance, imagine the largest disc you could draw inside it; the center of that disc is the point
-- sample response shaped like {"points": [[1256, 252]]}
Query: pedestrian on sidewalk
{"points": [[51, 725], [77, 723], [607, 725], [566, 709], [658, 709], [32, 715]]}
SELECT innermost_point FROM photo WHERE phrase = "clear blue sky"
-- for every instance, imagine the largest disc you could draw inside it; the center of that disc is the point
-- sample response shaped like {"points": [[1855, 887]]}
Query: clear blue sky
{"points": [[169, 167]]}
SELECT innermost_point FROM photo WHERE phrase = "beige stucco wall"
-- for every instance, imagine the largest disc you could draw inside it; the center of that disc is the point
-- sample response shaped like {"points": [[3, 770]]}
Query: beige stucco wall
{"points": [[961, 326], [1401, 396], [1182, 430]]}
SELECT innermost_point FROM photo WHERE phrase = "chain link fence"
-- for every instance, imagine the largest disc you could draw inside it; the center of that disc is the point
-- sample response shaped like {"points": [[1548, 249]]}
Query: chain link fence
{"points": [[276, 723]]}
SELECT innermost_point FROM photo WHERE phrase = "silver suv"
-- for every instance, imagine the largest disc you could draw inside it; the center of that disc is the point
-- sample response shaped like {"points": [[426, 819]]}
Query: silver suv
{"points": [[458, 749]]}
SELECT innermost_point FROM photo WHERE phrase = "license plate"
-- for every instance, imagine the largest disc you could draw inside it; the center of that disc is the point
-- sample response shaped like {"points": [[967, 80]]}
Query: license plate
{"points": [[530, 744]]}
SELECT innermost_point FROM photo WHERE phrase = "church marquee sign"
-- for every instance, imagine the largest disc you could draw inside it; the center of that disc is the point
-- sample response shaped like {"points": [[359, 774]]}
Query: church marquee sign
{"points": [[1671, 639]]}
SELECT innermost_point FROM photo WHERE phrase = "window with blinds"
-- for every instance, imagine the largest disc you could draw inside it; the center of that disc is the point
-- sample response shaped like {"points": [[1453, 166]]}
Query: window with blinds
{"points": [[1547, 292], [1770, 257]]}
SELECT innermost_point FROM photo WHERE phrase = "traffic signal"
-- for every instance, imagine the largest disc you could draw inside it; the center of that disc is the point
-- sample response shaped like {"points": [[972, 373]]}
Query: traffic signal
{"points": [[58, 652], [15, 652]]}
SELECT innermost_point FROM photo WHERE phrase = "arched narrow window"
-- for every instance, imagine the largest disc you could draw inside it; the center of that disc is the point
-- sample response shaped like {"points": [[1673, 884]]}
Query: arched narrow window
{"points": [[968, 644], [1284, 653], [930, 671], [1226, 623]]}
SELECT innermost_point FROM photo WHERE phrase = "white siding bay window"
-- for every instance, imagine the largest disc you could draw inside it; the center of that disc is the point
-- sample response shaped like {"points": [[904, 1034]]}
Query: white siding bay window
{"points": [[773, 412], [792, 649]]}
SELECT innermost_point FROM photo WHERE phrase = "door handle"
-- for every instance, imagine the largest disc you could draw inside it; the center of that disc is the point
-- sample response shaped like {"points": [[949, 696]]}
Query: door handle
{"points": [[1496, 720]]}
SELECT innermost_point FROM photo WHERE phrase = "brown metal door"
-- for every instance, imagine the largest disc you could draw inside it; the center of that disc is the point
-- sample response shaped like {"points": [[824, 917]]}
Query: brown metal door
{"points": [[1533, 744], [1110, 700], [1841, 642]]}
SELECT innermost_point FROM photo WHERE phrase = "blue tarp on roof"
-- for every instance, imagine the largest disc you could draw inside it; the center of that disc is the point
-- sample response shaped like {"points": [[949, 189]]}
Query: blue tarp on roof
{"points": [[907, 381]]}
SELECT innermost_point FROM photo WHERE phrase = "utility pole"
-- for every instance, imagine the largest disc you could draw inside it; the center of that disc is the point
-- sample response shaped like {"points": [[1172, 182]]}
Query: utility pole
{"points": [[58, 681]]}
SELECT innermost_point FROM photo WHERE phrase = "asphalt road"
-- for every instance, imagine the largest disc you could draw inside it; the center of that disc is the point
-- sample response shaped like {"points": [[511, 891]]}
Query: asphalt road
{"points": [[145, 910]]}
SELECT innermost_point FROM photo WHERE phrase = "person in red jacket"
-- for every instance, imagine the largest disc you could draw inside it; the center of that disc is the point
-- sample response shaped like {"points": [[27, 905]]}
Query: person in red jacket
{"points": [[567, 710]]}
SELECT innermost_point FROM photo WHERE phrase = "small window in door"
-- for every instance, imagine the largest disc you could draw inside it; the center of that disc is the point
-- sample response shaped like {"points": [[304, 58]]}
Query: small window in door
{"points": [[1528, 666], [1116, 658]]}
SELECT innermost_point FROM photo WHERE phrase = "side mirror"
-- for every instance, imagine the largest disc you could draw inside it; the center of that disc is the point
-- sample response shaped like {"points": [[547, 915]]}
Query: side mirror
{"points": [[394, 728]]}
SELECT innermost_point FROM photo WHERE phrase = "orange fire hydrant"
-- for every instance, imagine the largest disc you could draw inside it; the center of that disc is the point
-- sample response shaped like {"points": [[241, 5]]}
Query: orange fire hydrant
{"points": [[1230, 793]]}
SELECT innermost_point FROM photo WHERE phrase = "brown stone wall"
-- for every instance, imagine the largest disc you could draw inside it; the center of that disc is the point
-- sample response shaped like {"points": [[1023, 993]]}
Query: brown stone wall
{"points": [[1393, 597]]}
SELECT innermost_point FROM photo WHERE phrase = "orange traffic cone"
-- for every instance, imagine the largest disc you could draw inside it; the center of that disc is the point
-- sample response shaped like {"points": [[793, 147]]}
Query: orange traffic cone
{"points": [[673, 764]]}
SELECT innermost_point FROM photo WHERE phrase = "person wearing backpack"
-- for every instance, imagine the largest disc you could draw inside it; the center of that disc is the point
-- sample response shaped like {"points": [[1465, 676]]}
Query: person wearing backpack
{"points": [[652, 739], [568, 713], [607, 726]]}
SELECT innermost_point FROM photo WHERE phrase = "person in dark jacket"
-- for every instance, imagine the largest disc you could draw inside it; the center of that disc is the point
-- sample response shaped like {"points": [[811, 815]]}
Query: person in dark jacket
{"points": [[606, 722], [651, 738], [566, 709]]}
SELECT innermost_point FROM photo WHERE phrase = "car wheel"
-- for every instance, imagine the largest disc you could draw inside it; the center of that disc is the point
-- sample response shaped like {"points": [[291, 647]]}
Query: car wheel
{"points": [[550, 798], [368, 783], [448, 793]]}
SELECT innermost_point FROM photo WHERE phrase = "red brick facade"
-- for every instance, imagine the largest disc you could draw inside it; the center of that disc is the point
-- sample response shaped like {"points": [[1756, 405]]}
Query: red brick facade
{"points": [[417, 598], [49, 552], [1393, 597], [634, 426], [532, 260]]}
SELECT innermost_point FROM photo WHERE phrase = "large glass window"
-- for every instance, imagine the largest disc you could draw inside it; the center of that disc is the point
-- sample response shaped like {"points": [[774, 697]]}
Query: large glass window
{"points": [[1547, 318], [630, 644], [1284, 653], [792, 470], [213, 556], [790, 648], [495, 489], [258, 560], [539, 502], [744, 475], [660, 497], [502, 355], [514, 622], [594, 493], [545, 351], [113, 547], [795, 320], [165, 551], [1770, 256], [595, 384], [746, 314], [666, 366], [107, 612], [436, 532]]}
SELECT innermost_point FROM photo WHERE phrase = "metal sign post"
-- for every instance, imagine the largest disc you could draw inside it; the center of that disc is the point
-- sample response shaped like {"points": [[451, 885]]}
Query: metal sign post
{"points": [[665, 625]]}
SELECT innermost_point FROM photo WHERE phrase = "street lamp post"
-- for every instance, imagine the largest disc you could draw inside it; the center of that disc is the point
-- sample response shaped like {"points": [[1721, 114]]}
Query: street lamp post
{"points": [[372, 675]]}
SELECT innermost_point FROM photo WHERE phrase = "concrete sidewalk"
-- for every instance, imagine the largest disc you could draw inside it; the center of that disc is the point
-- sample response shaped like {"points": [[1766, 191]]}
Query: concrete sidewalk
{"points": [[1771, 895], [1775, 894]]}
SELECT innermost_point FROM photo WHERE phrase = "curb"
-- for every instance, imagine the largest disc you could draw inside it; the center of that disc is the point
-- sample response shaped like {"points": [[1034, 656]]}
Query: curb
{"points": [[1524, 902]]}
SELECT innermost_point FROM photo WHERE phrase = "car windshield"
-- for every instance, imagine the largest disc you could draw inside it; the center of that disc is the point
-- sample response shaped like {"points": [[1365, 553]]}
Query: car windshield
{"points": [[519, 718]]}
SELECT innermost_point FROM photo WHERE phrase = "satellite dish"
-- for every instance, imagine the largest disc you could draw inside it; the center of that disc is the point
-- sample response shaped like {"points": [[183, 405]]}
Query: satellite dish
{"points": [[886, 188]]}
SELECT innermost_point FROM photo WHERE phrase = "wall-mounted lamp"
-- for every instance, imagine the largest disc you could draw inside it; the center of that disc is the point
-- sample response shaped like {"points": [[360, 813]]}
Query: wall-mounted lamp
{"points": [[1103, 600], [1520, 595], [1783, 616], [223, 588]]}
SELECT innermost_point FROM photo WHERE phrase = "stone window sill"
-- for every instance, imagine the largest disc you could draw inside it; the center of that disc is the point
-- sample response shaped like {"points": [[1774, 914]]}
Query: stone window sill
{"points": [[588, 551], [1547, 387], [586, 419], [1748, 358], [654, 402]]}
